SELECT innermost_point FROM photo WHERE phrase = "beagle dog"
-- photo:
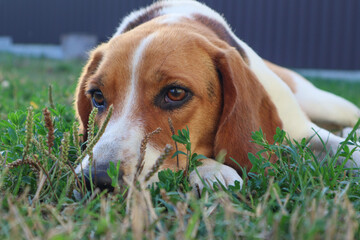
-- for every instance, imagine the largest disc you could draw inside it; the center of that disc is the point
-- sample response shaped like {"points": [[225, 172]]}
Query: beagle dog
{"points": [[180, 60]]}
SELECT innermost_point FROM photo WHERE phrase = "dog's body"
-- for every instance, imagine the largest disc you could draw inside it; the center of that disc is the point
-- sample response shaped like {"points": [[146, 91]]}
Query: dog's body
{"points": [[180, 60]]}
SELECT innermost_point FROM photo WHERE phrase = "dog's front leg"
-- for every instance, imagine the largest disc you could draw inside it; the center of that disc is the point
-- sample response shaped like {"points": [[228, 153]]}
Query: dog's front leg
{"points": [[211, 172]]}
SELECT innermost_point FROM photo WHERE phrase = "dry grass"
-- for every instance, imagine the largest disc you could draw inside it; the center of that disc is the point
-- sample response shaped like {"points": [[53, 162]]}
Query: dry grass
{"points": [[302, 198]]}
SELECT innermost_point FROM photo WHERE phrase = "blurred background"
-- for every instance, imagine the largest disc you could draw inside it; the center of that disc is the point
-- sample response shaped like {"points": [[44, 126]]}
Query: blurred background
{"points": [[301, 34]]}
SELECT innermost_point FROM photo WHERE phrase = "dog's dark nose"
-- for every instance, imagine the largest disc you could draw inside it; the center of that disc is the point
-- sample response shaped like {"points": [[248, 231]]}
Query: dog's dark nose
{"points": [[99, 178]]}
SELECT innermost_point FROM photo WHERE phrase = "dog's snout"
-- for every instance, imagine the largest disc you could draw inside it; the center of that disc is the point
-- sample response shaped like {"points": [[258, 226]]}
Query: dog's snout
{"points": [[99, 178]]}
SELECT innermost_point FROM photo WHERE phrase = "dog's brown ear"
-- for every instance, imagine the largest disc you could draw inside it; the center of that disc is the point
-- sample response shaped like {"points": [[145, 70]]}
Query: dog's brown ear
{"points": [[246, 108], [83, 104]]}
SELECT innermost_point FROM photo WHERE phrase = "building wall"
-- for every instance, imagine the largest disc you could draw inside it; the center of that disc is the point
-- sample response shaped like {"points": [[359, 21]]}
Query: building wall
{"points": [[295, 33]]}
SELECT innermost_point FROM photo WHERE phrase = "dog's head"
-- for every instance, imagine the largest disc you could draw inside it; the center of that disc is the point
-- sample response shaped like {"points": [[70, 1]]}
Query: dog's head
{"points": [[180, 71]]}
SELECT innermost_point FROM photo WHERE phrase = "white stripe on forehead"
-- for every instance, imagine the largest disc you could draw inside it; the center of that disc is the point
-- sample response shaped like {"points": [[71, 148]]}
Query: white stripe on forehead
{"points": [[135, 66], [138, 55]]}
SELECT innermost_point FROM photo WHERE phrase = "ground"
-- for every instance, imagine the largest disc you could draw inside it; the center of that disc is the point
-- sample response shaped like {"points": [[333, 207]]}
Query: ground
{"points": [[300, 197]]}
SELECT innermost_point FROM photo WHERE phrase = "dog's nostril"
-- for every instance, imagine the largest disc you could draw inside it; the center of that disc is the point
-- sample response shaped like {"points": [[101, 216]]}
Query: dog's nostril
{"points": [[100, 179]]}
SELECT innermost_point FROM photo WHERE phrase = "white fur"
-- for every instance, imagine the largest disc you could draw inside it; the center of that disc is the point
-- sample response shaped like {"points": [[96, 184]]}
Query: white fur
{"points": [[332, 144], [184, 8], [124, 133], [135, 65], [291, 108], [346, 131], [323, 106], [171, 19], [189, 8], [212, 172], [294, 120], [128, 19], [295, 123], [84, 163]]}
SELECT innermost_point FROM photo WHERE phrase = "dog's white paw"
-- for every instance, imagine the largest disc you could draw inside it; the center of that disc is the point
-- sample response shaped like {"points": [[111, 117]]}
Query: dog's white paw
{"points": [[354, 162], [346, 131], [212, 172]]}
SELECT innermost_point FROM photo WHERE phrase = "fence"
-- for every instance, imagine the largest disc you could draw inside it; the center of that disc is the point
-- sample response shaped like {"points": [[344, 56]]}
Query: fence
{"points": [[295, 33]]}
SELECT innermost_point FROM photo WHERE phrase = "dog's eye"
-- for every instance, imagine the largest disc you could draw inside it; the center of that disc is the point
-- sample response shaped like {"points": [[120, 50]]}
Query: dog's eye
{"points": [[175, 94], [173, 97], [98, 99]]}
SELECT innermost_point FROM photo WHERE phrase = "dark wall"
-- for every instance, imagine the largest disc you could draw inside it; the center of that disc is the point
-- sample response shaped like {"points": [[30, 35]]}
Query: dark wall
{"points": [[294, 33]]}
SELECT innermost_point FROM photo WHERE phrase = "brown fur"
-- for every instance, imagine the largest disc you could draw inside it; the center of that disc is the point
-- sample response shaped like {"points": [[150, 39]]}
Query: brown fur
{"points": [[247, 107], [82, 103], [222, 33], [228, 101]]}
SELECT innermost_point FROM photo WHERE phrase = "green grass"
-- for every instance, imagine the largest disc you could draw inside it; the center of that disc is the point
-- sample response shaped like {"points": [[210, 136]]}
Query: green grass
{"points": [[25, 81], [299, 198]]}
